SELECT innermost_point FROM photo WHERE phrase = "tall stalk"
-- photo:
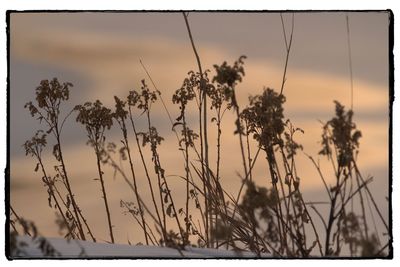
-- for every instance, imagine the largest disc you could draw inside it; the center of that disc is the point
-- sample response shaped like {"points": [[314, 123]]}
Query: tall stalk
{"points": [[49, 96], [239, 130], [68, 186], [34, 147], [143, 102], [182, 97], [103, 189], [288, 46], [171, 211], [340, 142], [203, 135], [120, 115], [96, 118], [132, 99]]}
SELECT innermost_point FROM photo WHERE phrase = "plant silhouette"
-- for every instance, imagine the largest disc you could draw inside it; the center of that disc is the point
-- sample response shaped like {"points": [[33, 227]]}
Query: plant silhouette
{"points": [[267, 215]]}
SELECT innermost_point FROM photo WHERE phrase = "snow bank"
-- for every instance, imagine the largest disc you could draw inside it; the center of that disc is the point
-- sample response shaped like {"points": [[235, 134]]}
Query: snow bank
{"points": [[85, 249]]}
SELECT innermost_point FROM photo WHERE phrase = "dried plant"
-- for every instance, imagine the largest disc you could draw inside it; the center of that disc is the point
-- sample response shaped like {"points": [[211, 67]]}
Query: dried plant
{"points": [[181, 97], [120, 115], [143, 101], [96, 118], [34, 147], [340, 143], [271, 217], [49, 97], [265, 219]]}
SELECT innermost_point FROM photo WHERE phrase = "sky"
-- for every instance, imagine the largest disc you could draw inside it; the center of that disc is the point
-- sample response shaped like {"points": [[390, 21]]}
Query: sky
{"points": [[100, 52]]}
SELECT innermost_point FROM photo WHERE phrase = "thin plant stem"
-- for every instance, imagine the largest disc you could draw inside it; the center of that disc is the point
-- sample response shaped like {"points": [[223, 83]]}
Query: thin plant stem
{"points": [[53, 108], [119, 169], [136, 189], [121, 121], [240, 193], [162, 100], [19, 220], [288, 48], [51, 192], [160, 176], [371, 197], [185, 152], [186, 239], [147, 174], [164, 222], [320, 175], [65, 176], [344, 204], [332, 214], [239, 131], [143, 226], [97, 150], [204, 137], [87, 225], [248, 152], [218, 161], [362, 208], [79, 212], [350, 61]]}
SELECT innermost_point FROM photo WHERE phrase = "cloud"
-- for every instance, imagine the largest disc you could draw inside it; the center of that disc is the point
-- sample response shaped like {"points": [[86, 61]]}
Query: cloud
{"points": [[112, 66]]}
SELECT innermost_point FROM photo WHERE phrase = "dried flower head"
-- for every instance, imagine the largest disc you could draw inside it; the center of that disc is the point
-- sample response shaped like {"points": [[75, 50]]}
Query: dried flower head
{"points": [[49, 96], [227, 77], [120, 112], [96, 118], [341, 132], [144, 99], [265, 117], [230, 75]]}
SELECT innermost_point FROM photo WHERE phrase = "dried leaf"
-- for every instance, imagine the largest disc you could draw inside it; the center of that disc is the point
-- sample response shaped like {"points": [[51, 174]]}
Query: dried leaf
{"points": [[169, 211]]}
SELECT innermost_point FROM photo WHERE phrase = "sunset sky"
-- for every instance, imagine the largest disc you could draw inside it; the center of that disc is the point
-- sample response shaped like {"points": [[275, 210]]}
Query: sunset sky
{"points": [[99, 53]]}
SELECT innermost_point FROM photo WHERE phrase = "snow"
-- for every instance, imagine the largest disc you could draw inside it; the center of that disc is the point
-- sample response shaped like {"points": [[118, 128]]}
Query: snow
{"points": [[74, 248]]}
